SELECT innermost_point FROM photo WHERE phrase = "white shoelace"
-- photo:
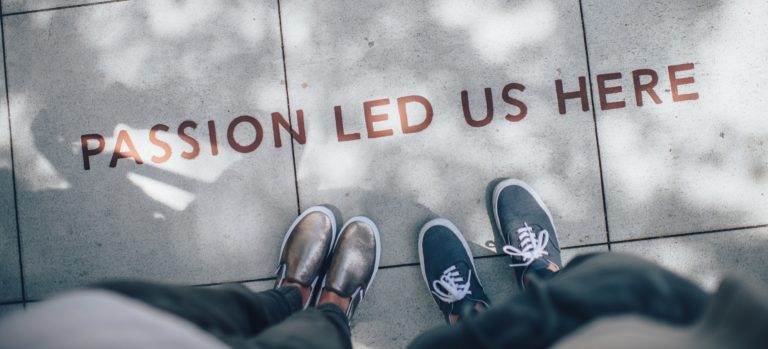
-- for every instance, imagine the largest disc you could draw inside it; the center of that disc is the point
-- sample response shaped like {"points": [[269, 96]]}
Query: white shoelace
{"points": [[531, 246], [451, 286]]}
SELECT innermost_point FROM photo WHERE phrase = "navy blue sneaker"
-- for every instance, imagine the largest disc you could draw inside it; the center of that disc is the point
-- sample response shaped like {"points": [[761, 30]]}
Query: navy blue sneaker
{"points": [[449, 270], [527, 229]]}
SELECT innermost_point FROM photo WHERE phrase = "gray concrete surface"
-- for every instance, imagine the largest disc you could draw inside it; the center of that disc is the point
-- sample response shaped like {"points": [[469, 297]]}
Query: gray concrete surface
{"points": [[350, 52], [707, 258], [127, 66], [690, 166], [11, 6], [10, 274]]}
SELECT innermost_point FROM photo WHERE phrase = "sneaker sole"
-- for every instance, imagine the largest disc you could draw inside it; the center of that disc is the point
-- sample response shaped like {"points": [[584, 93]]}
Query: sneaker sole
{"points": [[508, 183], [446, 223], [376, 237]]}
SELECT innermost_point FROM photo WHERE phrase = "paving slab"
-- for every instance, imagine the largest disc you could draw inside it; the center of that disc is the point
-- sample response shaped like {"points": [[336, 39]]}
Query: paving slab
{"points": [[9, 309], [352, 52], [399, 307], [212, 211], [699, 163], [12, 6], [10, 279], [706, 258]]}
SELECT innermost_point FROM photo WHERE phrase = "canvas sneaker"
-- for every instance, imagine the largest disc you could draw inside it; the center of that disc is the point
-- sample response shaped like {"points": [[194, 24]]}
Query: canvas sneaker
{"points": [[449, 269], [526, 228]]}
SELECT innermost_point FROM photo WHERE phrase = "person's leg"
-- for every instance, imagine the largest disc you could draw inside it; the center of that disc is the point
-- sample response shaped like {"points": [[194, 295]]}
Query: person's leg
{"points": [[233, 313], [245, 319], [597, 286], [326, 326], [555, 302], [229, 312], [352, 269]]}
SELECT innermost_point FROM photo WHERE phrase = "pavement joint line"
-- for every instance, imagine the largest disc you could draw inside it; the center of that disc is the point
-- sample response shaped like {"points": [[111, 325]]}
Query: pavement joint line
{"points": [[714, 231], [394, 266], [235, 282], [288, 103], [13, 168], [496, 255], [594, 120], [62, 7]]}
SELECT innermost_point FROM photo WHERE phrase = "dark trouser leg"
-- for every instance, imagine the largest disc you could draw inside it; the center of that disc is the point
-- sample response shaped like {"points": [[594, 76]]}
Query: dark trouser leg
{"points": [[590, 287], [236, 315], [324, 327]]}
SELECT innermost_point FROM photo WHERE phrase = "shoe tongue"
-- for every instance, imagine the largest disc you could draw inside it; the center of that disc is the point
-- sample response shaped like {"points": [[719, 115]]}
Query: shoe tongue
{"points": [[536, 228], [463, 268], [513, 227]]}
